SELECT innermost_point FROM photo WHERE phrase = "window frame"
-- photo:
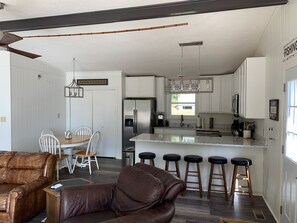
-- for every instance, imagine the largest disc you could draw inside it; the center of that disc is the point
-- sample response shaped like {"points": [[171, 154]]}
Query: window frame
{"points": [[170, 115]]}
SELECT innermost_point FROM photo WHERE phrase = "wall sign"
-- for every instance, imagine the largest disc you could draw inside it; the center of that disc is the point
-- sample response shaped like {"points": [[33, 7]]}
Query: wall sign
{"points": [[273, 109], [92, 81], [290, 49]]}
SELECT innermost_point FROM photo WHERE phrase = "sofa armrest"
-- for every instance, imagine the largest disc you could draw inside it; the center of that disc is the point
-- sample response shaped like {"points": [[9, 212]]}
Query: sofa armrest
{"points": [[25, 189], [85, 199], [162, 213]]}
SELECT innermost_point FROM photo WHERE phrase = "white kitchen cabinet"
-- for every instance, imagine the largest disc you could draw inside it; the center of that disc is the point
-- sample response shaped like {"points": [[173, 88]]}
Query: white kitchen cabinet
{"points": [[98, 111], [250, 79], [140, 87], [220, 100], [160, 93], [227, 92]]}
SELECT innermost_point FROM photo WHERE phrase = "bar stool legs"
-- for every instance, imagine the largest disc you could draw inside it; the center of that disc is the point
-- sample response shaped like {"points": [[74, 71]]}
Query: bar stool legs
{"points": [[169, 158], [216, 176], [246, 163], [147, 155], [195, 160]]}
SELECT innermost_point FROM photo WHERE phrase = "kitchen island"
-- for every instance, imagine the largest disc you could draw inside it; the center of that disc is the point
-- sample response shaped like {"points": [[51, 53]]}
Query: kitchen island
{"points": [[227, 146]]}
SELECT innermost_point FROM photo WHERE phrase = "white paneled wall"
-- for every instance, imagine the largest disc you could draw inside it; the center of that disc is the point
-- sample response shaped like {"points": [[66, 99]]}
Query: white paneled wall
{"points": [[36, 102], [281, 30]]}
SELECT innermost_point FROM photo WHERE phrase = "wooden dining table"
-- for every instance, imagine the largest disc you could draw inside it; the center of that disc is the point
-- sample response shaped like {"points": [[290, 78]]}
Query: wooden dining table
{"points": [[68, 145]]}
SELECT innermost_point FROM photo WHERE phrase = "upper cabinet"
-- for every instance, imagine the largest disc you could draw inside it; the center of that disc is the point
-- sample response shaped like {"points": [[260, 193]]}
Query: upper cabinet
{"points": [[220, 100], [140, 87], [160, 93], [249, 83]]}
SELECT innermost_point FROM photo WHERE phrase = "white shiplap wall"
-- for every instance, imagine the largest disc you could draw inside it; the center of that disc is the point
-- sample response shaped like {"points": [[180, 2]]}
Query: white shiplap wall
{"points": [[281, 30], [35, 102]]}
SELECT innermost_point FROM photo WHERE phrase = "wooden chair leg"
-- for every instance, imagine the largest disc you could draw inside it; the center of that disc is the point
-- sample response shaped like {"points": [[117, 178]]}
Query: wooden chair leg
{"points": [[141, 160], [187, 172], [152, 162], [224, 179], [247, 168], [177, 169], [210, 180], [233, 183], [199, 179], [166, 165]]}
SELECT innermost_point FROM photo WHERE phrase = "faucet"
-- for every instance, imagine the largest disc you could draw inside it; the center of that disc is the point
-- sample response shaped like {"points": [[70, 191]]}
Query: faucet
{"points": [[181, 121]]}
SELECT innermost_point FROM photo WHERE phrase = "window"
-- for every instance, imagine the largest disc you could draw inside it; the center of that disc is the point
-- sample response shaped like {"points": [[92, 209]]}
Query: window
{"points": [[291, 151], [182, 104]]}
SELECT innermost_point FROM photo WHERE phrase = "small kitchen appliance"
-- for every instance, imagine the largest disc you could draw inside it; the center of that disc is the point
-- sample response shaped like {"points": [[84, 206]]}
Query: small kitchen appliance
{"points": [[160, 120]]}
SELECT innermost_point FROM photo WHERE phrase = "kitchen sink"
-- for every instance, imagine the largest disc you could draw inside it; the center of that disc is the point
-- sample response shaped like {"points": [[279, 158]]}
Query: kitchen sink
{"points": [[210, 133]]}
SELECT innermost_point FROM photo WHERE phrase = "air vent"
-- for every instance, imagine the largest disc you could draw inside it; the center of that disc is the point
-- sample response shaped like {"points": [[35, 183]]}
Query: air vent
{"points": [[259, 214]]}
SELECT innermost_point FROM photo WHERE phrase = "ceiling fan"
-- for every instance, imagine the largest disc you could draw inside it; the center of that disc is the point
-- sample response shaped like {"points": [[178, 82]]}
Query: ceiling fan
{"points": [[7, 38]]}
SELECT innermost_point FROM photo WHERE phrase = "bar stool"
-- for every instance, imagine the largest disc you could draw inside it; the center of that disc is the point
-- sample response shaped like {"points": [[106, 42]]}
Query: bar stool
{"points": [[195, 160], [243, 162], [172, 158], [220, 161], [147, 156]]}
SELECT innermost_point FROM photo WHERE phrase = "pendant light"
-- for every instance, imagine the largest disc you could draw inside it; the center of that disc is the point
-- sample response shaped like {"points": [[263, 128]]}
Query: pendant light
{"points": [[73, 90], [182, 85]]}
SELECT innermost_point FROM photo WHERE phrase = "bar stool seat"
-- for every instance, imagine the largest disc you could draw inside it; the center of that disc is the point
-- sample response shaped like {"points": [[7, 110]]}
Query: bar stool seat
{"points": [[241, 162], [217, 160], [172, 158], [195, 159], [147, 156]]}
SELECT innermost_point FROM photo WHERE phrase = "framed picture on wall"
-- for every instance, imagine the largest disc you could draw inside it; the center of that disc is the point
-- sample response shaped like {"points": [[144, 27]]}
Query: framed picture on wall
{"points": [[273, 109]]}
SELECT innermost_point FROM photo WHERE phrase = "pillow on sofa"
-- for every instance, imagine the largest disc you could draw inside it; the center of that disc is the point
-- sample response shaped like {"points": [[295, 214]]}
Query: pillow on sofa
{"points": [[136, 190]]}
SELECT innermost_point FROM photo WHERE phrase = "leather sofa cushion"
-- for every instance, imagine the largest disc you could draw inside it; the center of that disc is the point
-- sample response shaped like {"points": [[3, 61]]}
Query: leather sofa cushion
{"points": [[24, 168], [4, 159], [4, 191], [136, 190]]}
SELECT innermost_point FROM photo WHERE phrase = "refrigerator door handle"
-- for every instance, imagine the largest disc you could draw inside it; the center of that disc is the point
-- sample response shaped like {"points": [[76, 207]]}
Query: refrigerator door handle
{"points": [[135, 121]]}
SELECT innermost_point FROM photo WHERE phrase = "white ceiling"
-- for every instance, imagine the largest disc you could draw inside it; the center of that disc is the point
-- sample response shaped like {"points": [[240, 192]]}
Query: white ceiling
{"points": [[228, 37]]}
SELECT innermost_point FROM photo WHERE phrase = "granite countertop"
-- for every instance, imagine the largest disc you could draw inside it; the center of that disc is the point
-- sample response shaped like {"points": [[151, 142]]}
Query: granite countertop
{"points": [[258, 142]]}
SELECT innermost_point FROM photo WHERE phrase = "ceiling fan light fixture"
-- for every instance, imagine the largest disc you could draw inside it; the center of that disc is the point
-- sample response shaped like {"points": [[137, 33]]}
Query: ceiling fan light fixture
{"points": [[73, 90]]}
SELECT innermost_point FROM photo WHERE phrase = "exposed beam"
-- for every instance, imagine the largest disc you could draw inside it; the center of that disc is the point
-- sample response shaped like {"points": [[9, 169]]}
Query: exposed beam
{"points": [[134, 13]]}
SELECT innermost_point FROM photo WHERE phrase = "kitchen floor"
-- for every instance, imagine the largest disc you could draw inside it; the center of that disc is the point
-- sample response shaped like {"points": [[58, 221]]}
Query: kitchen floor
{"points": [[190, 208]]}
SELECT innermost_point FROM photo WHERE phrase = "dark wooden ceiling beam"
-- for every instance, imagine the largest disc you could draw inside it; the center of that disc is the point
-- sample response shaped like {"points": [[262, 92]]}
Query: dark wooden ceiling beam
{"points": [[134, 13]]}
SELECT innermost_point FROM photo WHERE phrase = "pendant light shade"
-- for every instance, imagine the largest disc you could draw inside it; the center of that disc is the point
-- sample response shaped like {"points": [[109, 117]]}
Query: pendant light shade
{"points": [[73, 90]]}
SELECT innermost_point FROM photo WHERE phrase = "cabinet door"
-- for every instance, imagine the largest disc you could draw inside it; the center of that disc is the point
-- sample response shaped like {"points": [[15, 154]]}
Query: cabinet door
{"points": [[132, 87], [215, 96], [160, 93], [138, 87], [226, 93]]}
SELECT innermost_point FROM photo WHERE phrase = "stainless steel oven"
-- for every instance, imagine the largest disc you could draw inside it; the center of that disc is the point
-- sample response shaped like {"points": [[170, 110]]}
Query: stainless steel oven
{"points": [[235, 105]]}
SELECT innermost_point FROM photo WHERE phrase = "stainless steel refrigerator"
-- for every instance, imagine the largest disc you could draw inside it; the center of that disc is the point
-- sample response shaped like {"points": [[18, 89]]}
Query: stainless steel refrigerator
{"points": [[139, 116]]}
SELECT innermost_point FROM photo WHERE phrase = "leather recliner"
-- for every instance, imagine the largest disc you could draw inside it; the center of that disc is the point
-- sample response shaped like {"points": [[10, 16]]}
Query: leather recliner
{"points": [[22, 179], [142, 194]]}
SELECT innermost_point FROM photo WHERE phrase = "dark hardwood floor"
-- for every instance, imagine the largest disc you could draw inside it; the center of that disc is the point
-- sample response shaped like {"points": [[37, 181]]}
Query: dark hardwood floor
{"points": [[190, 208]]}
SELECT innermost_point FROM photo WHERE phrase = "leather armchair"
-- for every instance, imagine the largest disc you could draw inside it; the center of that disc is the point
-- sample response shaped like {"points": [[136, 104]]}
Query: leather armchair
{"points": [[22, 179], [142, 193]]}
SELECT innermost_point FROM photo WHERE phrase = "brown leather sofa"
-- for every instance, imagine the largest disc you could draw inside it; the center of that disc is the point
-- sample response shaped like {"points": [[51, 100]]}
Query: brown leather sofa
{"points": [[22, 179], [142, 194]]}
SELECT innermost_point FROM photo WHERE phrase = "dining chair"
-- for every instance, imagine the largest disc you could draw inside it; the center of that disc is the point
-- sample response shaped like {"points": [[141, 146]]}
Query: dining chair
{"points": [[83, 131], [49, 143], [47, 131], [89, 152]]}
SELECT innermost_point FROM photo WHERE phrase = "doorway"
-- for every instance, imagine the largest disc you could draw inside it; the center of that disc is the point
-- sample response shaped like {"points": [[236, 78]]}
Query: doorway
{"points": [[290, 154]]}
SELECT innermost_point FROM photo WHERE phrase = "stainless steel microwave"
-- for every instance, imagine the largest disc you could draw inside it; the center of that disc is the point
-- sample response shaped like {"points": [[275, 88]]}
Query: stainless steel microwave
{"points": [[235, 105]]}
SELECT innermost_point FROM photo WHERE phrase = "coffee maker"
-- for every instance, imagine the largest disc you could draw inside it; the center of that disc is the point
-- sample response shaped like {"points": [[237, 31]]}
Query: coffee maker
{"points": [[160, 120]]}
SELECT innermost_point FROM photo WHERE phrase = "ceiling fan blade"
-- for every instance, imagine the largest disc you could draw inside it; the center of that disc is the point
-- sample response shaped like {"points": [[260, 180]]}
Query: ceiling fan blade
{"points": [[23, 53], [8, 38]]}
